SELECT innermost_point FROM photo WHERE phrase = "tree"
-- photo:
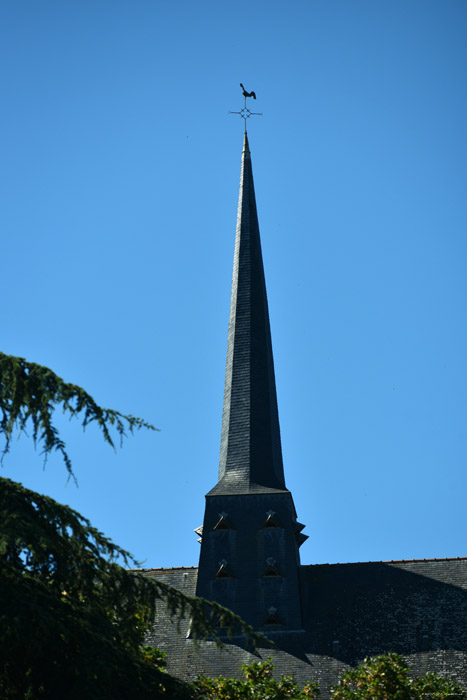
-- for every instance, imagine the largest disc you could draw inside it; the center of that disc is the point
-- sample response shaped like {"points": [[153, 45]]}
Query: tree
{"points": [[30, 393], [386, 677], [259, 684], [72, 620]]}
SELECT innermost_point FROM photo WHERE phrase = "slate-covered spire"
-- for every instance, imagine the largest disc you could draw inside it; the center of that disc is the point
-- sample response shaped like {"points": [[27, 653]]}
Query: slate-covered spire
{"points": [[250, 454], [250, 538]]}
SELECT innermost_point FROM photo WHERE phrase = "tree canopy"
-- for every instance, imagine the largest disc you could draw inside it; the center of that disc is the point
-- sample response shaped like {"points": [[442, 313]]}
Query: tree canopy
{"points": [[387, 677], [384, 677], [72, 620], [259, 684]]}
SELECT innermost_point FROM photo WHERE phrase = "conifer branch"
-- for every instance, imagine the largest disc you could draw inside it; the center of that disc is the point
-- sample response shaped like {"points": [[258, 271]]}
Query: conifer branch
{"points": [[29, 391], [45, 543]]}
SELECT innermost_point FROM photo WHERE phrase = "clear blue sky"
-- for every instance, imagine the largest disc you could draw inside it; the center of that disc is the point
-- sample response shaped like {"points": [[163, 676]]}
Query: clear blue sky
{"points": [[119, 183]]}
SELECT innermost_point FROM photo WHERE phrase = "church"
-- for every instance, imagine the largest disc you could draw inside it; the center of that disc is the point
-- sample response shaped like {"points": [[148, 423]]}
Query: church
{"points": [[320, 618]]}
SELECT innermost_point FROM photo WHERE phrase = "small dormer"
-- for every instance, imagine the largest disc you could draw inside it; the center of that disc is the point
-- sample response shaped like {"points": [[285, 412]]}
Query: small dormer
{"points": [[271, 568], [270, 521], [199, 531], [223, 523], [223, 571], [300, 538], [272, 617]]}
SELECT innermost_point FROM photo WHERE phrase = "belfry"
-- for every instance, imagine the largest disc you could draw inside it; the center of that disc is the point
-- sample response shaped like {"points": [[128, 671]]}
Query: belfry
{"points": [[249, 558]]}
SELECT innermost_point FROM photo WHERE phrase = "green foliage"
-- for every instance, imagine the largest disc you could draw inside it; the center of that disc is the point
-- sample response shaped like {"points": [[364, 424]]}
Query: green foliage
{"points": [[432, 686], [386, 677], [259, 684], [72, 620], [31, 392]]}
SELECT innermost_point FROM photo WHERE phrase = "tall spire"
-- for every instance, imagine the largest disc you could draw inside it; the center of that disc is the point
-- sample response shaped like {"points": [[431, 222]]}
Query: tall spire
{"points": [[250, 454], [249, 558]]}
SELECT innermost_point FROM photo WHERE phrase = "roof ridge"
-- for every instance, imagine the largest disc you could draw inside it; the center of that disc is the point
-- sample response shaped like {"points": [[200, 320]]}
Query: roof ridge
{"points": [[164, 568], [387, 561]]}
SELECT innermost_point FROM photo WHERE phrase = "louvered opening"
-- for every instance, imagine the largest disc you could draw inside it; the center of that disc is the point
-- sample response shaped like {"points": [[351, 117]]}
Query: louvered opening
{"points": [[223, 524], [223, 572], [272, 618], [270, 522]]}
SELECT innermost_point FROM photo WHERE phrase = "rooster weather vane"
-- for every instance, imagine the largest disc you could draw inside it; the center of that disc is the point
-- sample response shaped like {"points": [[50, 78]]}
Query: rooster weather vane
{"points": [[246, 113]]}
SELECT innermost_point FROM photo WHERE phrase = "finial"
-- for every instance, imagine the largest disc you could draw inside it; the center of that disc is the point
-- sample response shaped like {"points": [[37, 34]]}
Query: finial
{"points": [[245, 113]]}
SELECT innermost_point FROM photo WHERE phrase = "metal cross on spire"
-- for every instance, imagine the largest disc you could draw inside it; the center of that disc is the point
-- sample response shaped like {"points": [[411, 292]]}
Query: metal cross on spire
{"points": [[246, 113]]}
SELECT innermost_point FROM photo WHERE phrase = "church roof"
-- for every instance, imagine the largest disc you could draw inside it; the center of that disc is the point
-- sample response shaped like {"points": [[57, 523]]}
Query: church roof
{"points": [[250, 454], [416, 608]]}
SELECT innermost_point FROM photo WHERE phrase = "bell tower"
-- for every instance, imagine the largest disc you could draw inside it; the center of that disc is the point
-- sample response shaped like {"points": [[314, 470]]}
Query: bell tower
{"points": [[250, 538]]}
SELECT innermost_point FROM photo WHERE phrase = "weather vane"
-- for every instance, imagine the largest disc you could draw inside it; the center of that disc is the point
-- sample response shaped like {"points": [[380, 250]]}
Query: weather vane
{"points": [[245, 113]]}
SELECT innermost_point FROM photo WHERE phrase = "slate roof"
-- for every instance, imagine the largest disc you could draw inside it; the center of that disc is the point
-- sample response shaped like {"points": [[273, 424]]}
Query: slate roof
{"points": [[417, 608]]}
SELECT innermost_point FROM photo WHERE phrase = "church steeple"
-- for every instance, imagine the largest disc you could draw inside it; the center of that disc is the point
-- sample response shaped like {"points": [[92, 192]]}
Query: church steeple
{"points": [[250, 454], [249, 558]]}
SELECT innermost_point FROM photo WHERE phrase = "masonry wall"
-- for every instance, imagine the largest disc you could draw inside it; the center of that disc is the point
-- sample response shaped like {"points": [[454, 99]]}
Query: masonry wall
{"points": [[350, 611]]}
